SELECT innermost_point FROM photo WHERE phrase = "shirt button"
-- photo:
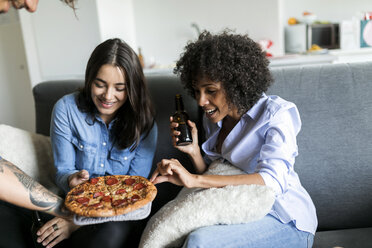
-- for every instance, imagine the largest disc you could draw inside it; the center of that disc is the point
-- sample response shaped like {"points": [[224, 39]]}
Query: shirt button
{"points": [[125, 158], [81, 146], [104, 143], [102, 165]]}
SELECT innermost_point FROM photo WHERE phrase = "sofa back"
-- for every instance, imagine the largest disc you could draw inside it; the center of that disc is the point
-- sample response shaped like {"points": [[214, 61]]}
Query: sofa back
{"points": [[335, 143]]}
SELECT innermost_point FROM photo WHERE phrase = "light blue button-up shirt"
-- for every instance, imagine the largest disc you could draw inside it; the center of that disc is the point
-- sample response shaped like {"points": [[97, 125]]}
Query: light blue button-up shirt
{"points": [[264, 142], [82, 142]]}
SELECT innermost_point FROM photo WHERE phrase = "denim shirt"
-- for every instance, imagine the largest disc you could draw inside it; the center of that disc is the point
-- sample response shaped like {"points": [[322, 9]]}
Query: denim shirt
{"points": [[264, 142], [80, 141]]}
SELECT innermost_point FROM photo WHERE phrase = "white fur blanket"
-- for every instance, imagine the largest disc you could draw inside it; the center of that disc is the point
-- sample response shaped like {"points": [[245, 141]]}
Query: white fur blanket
{"points": [[31, 152], [194, 208]]}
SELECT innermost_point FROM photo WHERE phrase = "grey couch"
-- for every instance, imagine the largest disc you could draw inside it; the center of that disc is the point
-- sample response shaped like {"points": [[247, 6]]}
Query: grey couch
{"points": [[335, 143]]}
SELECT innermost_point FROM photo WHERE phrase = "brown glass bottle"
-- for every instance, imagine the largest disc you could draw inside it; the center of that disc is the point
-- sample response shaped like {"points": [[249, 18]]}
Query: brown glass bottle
{"points": [[36, 225], [181, 118]]}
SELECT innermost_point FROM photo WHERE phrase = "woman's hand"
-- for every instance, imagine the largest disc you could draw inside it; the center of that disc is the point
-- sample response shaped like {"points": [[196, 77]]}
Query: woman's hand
{"points": [[78, 178], [54, 231], [191, 149], [171, 170]]}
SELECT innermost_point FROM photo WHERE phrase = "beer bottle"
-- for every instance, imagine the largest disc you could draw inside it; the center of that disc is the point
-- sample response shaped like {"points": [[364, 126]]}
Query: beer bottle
{"points": [[181, 118], [36, 225]]}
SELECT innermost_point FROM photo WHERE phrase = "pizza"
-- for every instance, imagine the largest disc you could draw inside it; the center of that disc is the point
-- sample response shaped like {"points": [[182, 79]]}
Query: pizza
{"points": [[110, 195]]}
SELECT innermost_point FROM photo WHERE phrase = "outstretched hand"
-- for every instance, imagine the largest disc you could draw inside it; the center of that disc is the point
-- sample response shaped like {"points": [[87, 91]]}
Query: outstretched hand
{"points": [[78, 178], [171, 170]]}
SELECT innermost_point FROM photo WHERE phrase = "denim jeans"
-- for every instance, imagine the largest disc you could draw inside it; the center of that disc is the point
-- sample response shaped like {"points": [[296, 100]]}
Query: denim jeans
{"points": [[265, 233]]}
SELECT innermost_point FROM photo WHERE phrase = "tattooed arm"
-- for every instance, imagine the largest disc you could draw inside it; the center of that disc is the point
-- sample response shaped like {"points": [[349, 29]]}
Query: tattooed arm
{"points": [[20, 189]]}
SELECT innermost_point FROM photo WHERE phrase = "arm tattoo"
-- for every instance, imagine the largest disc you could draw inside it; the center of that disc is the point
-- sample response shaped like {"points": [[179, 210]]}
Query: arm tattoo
{"points": [[2, 161], [9, 165], [39, 195]]}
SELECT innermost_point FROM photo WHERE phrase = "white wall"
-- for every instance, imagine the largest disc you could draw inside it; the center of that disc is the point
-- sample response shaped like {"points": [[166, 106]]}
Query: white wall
{"points": [[163, 27], [49, 44], [62, 41], [116, 20], [16, 101]]}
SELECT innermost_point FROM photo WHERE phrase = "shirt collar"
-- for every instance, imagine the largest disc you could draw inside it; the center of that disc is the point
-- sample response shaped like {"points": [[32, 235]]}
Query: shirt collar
{"points": [[252, 112], [90, 119], [256, 108]]}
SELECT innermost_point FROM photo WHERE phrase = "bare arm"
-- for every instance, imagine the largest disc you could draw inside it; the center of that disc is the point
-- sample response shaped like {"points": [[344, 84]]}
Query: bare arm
{"points": [[170, 170], [216, 181], [18, 188]]}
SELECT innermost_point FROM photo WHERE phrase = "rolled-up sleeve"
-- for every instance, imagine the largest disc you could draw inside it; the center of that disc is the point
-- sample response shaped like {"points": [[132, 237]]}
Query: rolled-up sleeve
{"points": [[63, 150], [277, 155]]}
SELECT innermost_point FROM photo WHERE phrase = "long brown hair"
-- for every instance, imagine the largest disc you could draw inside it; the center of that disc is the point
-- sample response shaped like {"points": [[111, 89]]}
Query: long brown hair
{"points": [[136, 116]]}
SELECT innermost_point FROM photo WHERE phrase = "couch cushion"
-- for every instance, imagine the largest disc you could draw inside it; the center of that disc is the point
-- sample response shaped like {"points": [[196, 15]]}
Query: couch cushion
{"points": [[335, 151], [31, 152], [355, 238]]}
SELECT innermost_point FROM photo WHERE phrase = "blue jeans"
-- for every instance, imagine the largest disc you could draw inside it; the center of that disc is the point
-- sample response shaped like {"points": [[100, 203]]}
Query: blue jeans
{"points": [[265, 233]]}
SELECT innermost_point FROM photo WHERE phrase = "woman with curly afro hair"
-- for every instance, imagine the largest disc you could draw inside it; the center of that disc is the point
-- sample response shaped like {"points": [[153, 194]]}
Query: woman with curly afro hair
{"points": [[228, 76]]}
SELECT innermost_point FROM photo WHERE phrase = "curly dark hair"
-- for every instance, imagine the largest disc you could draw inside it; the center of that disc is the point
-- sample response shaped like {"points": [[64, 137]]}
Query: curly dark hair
{"points": [[232, 59]]}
